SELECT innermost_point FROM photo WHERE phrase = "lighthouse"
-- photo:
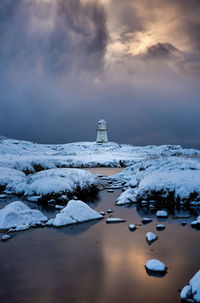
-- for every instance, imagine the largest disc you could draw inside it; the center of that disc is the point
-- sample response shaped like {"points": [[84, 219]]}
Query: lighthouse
{"points": [[102, 136]]}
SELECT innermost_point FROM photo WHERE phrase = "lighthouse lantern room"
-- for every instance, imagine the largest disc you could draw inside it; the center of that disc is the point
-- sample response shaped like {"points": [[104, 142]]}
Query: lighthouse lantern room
{"points": [[102, 136]]}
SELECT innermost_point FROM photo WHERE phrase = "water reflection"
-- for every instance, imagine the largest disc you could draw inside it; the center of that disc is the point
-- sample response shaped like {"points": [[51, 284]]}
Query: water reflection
{"points": [[99, 262]]}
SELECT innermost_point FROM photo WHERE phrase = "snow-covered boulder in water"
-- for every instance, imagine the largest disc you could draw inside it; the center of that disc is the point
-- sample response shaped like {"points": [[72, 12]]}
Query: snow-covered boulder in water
{"points": [[196, 223], [151, 237], [18, 216], [76, 211], [163, 179], [161, 214], [59, 181], [12, 180], [115, 220], [191, 292], [127, 197], [155, 267]]}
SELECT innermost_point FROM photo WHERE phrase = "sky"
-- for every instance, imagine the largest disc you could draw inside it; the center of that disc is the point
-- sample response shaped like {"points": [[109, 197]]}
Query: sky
{"points": [[66, 63]]}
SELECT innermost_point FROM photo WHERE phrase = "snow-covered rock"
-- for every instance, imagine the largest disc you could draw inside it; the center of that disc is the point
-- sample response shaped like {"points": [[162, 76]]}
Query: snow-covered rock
{"points": [[49, 182], [196, 223], [17, 215], [12, 180], [60, 180], [109, 211], [59, 206], [76, 211], [115, 220], [5, 237], [155, 266], [192, 291], [151, 237], [164, 178], [160, 227], [132, 227], [126, 197], [102, 213], [186, 292], [146, 220], [161, 214]]}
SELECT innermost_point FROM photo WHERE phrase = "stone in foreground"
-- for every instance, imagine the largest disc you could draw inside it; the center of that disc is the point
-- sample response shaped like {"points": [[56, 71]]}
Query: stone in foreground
{"points": [[160, 227], [151, 237], [191, 292], [161, 214], [115, 220], [155, 267], [146, 220], [76, 211], [5, 237], [132, 227], [18, 216]]}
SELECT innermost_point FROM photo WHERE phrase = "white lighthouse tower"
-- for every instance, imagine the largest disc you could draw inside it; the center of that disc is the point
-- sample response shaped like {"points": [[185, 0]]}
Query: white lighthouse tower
{"points": [[102, 136]]}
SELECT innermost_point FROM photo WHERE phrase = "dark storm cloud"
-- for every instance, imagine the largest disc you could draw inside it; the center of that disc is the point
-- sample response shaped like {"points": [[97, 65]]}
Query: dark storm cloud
{"points": [[56, 35], [161, 50]]}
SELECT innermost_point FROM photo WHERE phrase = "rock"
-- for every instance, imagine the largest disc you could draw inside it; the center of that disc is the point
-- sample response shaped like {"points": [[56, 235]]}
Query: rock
{"points": [[151, 237], [196, 223], [18, 216], [183, 223], [3, 196], [110, 190], [161, 214], [146, 220], [59, 207], [109, 211], [186, 292], [102, 213], [132, 227], [155, 267], [51, 202], [191, 292], [160, 227], [34, 198], [5, 237], [76, 211], [115, 220]]}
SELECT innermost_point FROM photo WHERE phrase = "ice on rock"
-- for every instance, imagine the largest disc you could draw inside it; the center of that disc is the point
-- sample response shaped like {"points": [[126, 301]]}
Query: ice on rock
{"points": [[191, 292], [76, 211], [155, 266], [151, 237], [19, 216], [161, 214], [115, 220]]}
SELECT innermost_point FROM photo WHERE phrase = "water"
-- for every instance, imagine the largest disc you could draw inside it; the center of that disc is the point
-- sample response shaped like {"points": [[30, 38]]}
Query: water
{"points": [[98, 262]]}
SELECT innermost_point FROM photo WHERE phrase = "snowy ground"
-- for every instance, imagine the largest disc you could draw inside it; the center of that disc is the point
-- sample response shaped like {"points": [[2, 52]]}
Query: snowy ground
{"points": [[154, 172], [30, 157]]}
